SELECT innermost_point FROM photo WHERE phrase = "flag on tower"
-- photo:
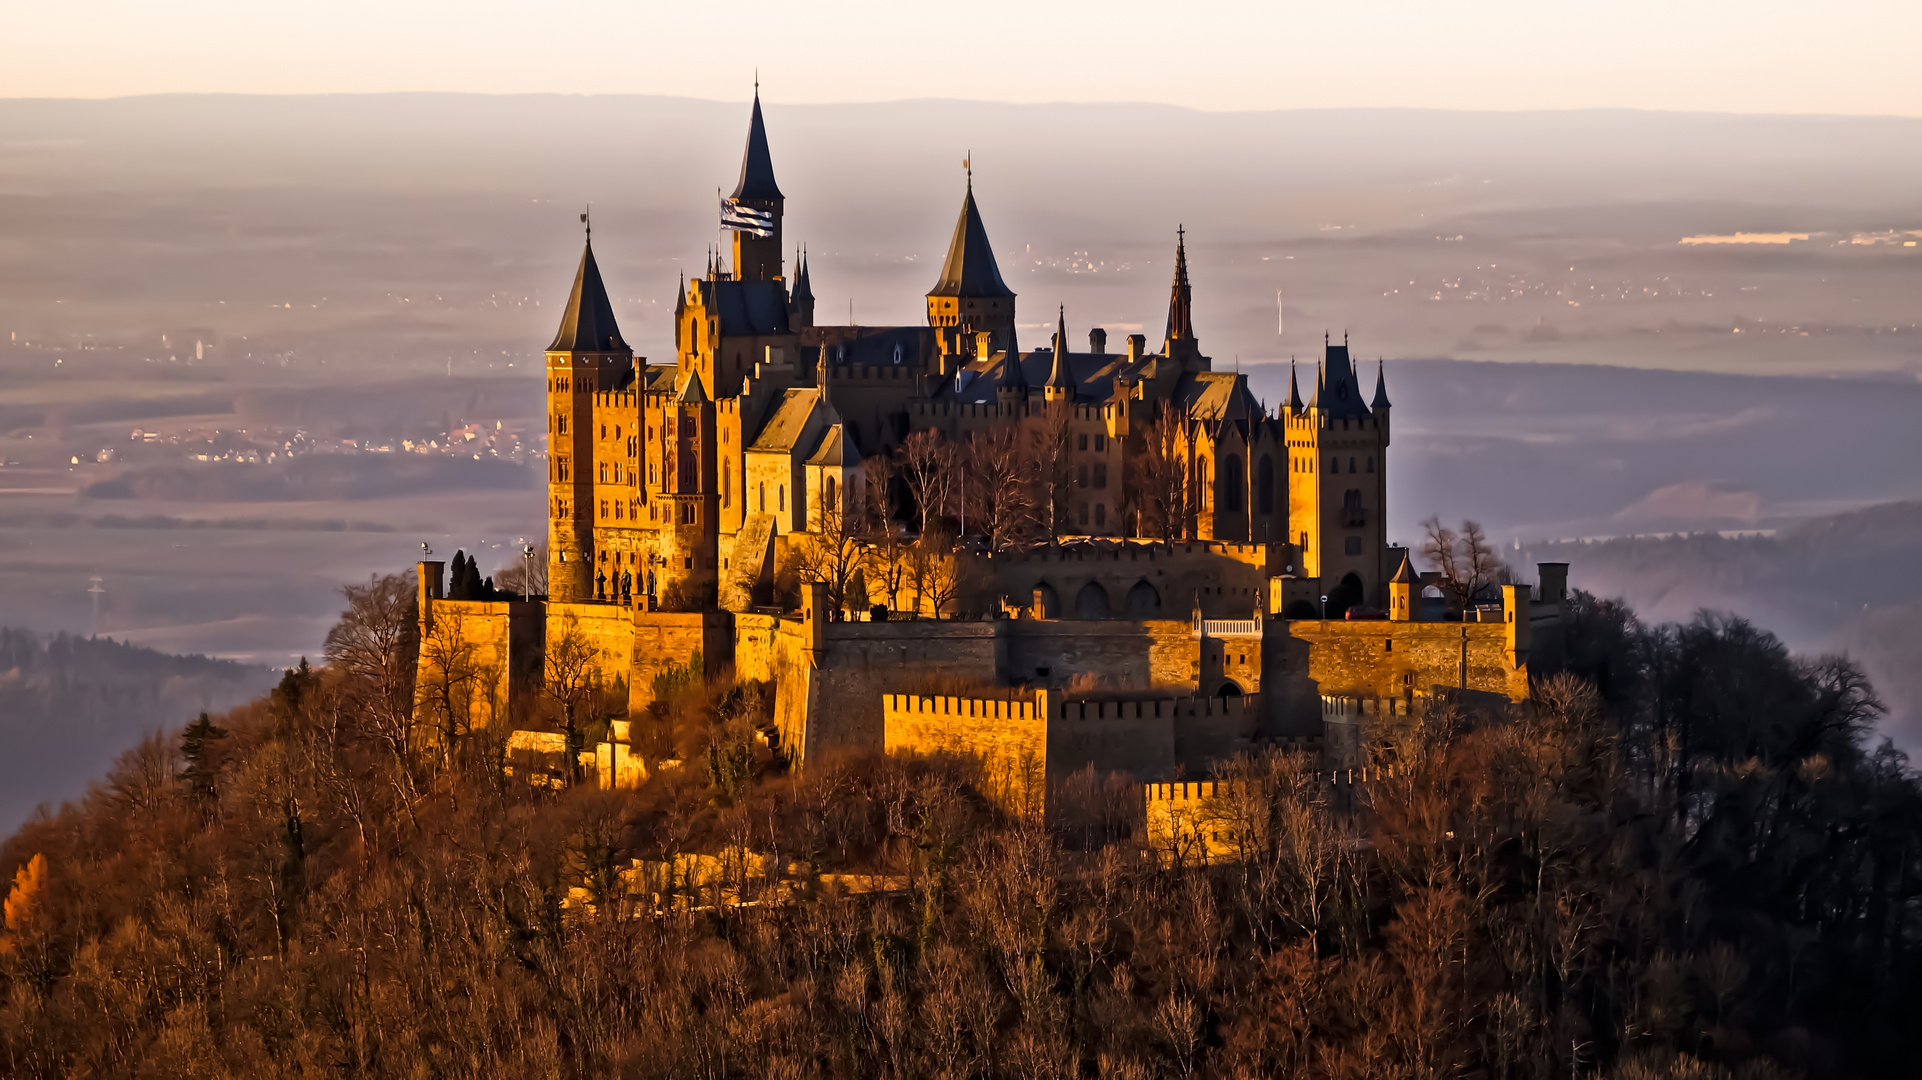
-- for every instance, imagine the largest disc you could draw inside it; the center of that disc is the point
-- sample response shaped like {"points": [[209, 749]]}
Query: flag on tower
{"points": [[746, 219]]}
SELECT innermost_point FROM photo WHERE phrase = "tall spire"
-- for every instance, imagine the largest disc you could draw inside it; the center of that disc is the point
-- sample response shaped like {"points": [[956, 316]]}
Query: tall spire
{"points": [[1179, 341], [1294, 389], [803, 288], [588, 324], [1381, 388], [970, 270], [680, 294], [1060, 381], [757, 165]]}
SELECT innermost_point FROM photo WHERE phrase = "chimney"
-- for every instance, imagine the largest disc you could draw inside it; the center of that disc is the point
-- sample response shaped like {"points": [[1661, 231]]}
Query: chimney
{"points": [[1137, 344], [1097, 340]]}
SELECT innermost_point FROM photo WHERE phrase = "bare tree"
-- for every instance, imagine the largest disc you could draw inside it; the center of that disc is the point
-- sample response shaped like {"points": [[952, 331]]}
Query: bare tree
{"points": [[1158, 476], [1050, 438], [1465, 559], [572, 678], [454, 680], [930, 467], [1000, 492], [941, 573], [885, 556], [832, 550], [376, 645]]}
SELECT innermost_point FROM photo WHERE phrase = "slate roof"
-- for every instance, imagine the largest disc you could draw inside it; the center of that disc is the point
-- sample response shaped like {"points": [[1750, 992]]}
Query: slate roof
{"points": [[836, 449], [876, 346], [970, 269], [588, 324], [1405, 574], [757, 166], [748, 308], [788, 420], [1340, 394]]}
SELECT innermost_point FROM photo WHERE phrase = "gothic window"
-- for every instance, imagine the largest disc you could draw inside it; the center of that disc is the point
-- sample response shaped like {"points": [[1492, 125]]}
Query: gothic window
{"points": [[603, 472], [562, 422], [763, 498], [780, 495], [829, 504], [634, 509], [1265, 485], [727, 486], [603, 508], [561, 468], [1201, 484], [1231, 484]]}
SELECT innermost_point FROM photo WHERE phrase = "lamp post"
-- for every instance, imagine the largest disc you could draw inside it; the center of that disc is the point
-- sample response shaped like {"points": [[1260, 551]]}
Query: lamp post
{"points": [[527, 570], [1324, 608]]}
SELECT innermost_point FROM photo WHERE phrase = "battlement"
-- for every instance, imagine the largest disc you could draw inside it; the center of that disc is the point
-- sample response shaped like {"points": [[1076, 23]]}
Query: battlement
{"points": [[978, 708]]}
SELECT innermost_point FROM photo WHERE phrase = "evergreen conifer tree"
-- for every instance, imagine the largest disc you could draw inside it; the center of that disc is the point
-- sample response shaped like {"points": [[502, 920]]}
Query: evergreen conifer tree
{"points": [[196, 749]]}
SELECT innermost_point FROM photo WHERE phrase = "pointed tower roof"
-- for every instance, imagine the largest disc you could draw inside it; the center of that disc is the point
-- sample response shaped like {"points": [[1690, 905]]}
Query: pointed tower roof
{"points": [[680, 295], [757, 166], [1181, 318], [803, 288], [970, 269], [1406, 574], [1341, 392], [1058, 376], [1381, 389], [692, 392], [1294, 388], [588, 324], [1013, 379]]}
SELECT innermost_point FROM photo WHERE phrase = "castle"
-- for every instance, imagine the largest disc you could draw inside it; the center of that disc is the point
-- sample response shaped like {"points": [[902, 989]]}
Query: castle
{"points": [[1219, 573]]}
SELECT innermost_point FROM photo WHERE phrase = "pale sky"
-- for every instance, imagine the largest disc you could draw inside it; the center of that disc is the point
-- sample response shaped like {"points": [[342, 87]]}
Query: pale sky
{"points": [[1838, 56]]}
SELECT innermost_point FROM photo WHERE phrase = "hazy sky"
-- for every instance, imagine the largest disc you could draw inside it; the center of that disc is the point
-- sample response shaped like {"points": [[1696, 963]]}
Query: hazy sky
{"points": [[1835, 56]]}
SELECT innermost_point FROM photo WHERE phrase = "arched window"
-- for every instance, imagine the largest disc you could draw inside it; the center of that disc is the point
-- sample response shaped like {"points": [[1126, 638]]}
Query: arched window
{"points": [[1231, 484], [1201, 484], [727, 486], [780, 494], [829, 505], [763, 498], [1265, 485], [1091, 602]]}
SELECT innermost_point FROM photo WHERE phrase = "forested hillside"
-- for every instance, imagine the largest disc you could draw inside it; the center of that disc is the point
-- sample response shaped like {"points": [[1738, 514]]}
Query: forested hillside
{"points": [[1685, 860], [69, 704]]}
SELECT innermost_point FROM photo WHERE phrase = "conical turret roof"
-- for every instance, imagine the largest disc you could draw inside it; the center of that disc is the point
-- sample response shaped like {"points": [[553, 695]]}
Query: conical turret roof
{"points": [[1381, 389], [588, 324], [803, 288], [970, 268], [1058, 375], [1013, 379], [1294, 389], [757, 166], [1405, 575]]}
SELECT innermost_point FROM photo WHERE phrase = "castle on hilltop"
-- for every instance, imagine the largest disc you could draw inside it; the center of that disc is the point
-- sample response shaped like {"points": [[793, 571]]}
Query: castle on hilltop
{"points": [[851, 511]]}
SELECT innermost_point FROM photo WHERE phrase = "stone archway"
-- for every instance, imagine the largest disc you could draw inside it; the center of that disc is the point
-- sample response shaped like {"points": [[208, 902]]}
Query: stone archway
{"points": [[1144, 601], [1091, 602]]}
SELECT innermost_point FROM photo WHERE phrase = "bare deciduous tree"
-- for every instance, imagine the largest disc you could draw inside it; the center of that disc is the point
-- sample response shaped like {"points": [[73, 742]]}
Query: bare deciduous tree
{"points": [[1466, 561], [1000, 488], [929, 465], [1158, 476]]}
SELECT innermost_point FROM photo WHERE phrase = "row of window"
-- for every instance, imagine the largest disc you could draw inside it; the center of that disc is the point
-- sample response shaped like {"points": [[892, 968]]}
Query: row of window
{"points": [[1307, 465]]}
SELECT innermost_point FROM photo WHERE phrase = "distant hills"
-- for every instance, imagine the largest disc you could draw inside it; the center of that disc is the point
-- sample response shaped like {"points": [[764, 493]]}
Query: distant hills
{"points": [[69, 705]]}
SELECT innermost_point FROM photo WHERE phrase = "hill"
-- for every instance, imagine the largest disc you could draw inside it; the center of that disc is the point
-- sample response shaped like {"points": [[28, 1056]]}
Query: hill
{"points": [[1686, 860], [70, 705]]}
